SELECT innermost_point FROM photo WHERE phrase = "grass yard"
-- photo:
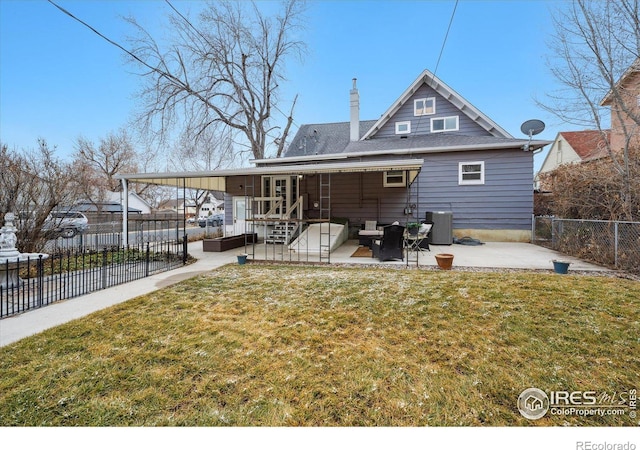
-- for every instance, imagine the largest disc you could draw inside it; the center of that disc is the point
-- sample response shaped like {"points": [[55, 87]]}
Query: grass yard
{"points": [[277, 345]]}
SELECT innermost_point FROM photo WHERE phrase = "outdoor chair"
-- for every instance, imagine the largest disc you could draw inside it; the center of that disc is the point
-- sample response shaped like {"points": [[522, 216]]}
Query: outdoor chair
{"points": [[419, 241], [390, 246], [370, 232]]}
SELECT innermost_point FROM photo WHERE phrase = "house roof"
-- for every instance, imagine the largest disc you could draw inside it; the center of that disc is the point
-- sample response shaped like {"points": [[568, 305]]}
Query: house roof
{"points": [[114, 197], [323, 138], [105, 207], [588, 144], [175, 203], [216, 180], [318, 141], [428, 78], [633, 69], [324, 145]]}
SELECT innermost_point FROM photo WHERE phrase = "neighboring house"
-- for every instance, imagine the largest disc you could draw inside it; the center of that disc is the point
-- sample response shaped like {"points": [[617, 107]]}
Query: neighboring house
{"points": [[624, 102], [135, 201], [573, 147], [582, 146], [431, 151], [569, 147], [103, 208], [211, 206], [179, 206]]}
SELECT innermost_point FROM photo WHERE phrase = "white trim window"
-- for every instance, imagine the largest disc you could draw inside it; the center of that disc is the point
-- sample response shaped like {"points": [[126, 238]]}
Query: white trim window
{"points": [[471, 172], [403, 127], [441, 124], [394, 178], [424, 106]]}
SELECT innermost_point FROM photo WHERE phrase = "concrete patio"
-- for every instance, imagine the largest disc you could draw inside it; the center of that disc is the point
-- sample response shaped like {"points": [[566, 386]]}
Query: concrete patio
{"points": [[507, 255]]}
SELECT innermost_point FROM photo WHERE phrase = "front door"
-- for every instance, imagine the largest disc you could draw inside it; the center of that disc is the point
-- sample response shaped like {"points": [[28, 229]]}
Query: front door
{"points": [[241, 212]]}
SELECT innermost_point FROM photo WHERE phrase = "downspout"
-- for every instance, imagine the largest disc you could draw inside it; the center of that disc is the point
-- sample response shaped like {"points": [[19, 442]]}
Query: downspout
{"points": [[125, 212]]}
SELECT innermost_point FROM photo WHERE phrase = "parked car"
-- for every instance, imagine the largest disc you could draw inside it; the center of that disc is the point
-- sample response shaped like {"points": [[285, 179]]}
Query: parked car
{"points": [[65, 223], [215, 220], [191, 220]]}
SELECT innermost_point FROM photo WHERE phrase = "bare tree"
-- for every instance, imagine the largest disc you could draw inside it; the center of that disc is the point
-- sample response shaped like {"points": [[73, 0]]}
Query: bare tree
{"points": [[213, 150], [33, 184], [591, 190], [97, 165], [594, 45], [226, 68], [100, 163]]}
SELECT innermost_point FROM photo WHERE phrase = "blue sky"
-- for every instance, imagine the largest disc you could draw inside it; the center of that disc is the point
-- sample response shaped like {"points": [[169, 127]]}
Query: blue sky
{"points": [[58, 80]]}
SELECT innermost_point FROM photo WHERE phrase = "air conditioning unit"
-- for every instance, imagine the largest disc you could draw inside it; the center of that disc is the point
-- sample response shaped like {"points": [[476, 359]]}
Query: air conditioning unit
{"points": [[442, 231]]}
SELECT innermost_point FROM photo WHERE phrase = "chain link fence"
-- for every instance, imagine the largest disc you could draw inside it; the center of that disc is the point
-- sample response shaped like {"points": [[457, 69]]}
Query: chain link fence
{"points": [[612, 244]]}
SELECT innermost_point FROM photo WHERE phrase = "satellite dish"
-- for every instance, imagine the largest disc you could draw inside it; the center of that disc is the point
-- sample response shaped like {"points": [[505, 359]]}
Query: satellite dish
{"points": [[531, 128]]}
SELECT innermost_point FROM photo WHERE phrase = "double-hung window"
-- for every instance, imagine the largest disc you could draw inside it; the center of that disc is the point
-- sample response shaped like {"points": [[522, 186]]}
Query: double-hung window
{"points": [[471, 172]]}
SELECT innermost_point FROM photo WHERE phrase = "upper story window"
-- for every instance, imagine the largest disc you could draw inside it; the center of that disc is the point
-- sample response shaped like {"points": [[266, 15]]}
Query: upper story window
{"points": [[444, 124], [424, 106], [471, 172], [403, 127]]}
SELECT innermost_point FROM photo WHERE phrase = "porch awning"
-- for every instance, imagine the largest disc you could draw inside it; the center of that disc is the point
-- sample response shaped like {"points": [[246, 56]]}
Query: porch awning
{"points": [[216, 180]]}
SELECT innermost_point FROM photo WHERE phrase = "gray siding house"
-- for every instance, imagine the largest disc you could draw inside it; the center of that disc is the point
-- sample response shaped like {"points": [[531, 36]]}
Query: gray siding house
{"points": [[430, 151], [469, 166]]}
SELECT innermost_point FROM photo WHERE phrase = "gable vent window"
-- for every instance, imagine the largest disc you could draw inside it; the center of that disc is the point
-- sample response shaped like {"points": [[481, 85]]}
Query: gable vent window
{"points": [[424, 106], [471, 172], [395, 178], [403, 127], [444, 124]]}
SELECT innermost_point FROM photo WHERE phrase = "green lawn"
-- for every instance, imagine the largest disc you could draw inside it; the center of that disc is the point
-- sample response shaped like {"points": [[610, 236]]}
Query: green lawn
{"points": [[277, 345]]}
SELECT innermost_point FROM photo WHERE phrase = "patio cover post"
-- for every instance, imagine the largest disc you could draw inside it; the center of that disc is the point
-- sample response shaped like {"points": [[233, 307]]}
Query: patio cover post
{"points": [[125, 212], [184, 221]]}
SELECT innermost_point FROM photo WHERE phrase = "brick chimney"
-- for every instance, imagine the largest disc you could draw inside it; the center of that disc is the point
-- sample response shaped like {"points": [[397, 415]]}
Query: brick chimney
{"points": [[355, 112]]}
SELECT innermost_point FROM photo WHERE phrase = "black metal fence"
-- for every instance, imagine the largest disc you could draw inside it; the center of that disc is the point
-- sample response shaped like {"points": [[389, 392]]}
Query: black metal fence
{"points": [[610, 243], [39, 281]]}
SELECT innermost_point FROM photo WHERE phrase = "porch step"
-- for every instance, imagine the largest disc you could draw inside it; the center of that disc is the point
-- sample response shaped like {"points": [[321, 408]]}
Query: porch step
{"points": [[280, 232]]}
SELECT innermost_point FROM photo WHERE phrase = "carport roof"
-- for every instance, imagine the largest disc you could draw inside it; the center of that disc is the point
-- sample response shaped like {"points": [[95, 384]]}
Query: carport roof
{"points": [[216, 180]]}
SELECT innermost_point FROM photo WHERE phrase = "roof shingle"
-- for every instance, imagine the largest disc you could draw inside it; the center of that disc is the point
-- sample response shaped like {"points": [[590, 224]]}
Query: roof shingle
{"points": [[588, 144]]}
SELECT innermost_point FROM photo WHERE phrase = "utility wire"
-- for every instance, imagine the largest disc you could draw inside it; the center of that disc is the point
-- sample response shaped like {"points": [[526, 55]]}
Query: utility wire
{"points": [[446, 36], [433, 74], [134, 56], [444, 41]]}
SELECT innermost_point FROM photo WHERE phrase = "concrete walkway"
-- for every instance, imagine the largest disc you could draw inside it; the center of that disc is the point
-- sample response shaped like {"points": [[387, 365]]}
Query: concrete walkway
{"points": [[17, 327], [490, 255]]}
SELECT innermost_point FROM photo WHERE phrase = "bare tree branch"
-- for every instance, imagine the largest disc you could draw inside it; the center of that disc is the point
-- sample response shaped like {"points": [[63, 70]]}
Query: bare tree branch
{"points": [[595, 43], [34, 183], [226, 69]]}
